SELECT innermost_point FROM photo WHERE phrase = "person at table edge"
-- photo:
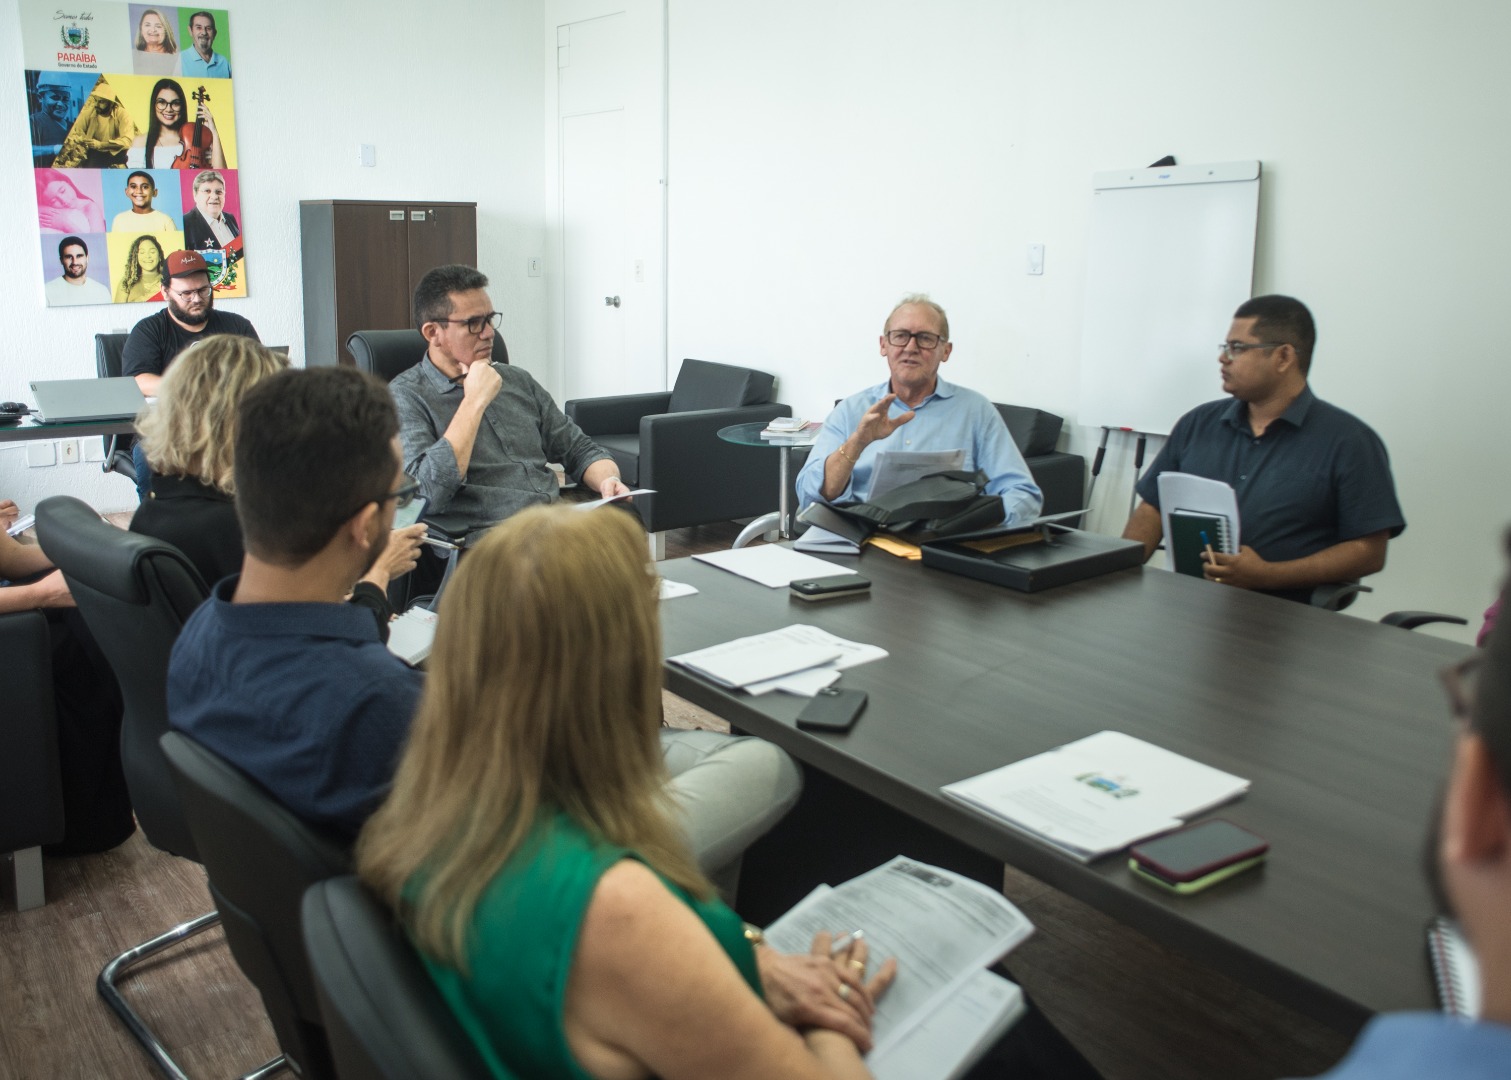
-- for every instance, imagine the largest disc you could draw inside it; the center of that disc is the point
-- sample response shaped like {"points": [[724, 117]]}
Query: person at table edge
{"points": [[1469, 867], [477, 435], [1316, 500], [913, 411]]}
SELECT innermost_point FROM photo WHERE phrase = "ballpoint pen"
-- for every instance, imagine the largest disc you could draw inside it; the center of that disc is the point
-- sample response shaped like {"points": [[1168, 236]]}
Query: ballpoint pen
{"points": [[443, 544], [1211, 558]]}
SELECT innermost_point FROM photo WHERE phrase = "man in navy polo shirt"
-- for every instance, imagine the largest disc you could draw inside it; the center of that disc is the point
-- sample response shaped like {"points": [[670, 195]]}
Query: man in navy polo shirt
{"points": [[1316, 500]]}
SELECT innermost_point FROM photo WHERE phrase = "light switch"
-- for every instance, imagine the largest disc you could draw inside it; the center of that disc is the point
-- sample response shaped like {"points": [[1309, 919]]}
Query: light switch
{"points": [[367, 155], [1035, 259]]}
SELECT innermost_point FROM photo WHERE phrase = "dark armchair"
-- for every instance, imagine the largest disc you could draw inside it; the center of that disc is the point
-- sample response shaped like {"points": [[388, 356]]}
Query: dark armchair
{"points": [[31, 789], [386, 353], [1061, 477], [668, 441], [107, 365]]}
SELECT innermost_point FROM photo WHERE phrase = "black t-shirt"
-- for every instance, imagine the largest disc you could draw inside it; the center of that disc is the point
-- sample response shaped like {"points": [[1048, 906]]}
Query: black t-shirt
{"points": [[157, 339]]}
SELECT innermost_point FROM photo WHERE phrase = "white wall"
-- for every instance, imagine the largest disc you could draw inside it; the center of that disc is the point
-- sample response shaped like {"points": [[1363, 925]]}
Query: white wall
{"points": [[826, 159], [453, 106]]}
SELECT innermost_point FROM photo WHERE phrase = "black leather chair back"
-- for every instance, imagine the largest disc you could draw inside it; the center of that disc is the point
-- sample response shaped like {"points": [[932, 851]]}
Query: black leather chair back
{"points": [[260, 859], [385, 353], [31, 786], [135, 594], [703, 384], [107, 365], [383, 1015]]}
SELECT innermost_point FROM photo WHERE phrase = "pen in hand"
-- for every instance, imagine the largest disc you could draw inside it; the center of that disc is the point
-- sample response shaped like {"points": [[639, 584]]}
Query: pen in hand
{"points": [[1211, 558], [443, 544], [844, 941]]}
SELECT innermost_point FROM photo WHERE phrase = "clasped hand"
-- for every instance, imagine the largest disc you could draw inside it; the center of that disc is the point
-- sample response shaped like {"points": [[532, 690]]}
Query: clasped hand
{"points": [[1246, 570], [823, 990]]}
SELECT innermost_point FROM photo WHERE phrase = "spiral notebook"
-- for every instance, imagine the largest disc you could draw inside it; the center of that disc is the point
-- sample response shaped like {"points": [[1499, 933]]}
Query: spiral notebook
{"points": [[1190, 533], [1454, 969]]}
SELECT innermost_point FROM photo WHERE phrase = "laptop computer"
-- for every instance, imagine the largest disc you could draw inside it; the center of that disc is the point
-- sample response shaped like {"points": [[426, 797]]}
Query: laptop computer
{"points": [[72, 401]]}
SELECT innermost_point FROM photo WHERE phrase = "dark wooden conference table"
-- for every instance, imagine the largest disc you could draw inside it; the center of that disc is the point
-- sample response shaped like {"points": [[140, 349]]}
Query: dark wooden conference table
{"points": [[1339, 724]]}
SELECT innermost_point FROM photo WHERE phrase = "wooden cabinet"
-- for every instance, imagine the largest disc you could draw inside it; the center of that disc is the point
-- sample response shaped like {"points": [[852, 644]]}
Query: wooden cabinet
{"points": [[362, 261]]}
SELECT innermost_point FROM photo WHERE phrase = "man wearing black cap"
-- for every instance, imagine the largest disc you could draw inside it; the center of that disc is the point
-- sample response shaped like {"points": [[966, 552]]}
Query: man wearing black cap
{"points": [[1471, 868], [189, 317]]}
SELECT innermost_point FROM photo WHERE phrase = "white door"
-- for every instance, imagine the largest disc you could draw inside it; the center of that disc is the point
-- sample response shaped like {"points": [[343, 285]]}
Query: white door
{"points": [[608, 151]]}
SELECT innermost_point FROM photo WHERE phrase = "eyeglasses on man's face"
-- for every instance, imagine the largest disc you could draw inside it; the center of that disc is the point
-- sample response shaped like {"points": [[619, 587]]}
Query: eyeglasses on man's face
{"points": [[404, 495], [1234, 349], [475, 324], [190, 294], [926, 339]]}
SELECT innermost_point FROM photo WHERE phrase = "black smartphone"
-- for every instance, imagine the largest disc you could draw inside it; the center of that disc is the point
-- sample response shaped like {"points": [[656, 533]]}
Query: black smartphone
{"points": [[832, 709], [829, 588], [1197, 851]]}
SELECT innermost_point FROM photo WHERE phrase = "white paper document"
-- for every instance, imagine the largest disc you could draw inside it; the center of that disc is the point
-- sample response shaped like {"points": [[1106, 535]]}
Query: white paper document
{"points": [[771, 565], [895, 468], [944, 929], [760, 662], [1199, 495], [670, 590], [411, 634], [825, 542], [1098, 794], [964, 1026], [810, 682], [24, 522], [596, 503]]}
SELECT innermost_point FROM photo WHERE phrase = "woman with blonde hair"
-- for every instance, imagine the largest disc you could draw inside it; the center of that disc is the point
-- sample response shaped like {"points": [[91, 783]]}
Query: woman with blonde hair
{"points": [[531, 847], [189, 438]]}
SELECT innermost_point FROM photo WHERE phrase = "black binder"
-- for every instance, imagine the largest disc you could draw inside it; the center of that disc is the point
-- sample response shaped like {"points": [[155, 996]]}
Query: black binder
{"points": [[1057, 556]]}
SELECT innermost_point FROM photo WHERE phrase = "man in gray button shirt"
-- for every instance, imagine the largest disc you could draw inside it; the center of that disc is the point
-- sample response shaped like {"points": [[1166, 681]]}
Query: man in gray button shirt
{"points": [[477, 435]]}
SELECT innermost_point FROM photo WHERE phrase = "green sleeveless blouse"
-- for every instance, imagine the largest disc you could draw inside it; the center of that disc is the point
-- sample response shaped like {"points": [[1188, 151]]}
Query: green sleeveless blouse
{"points": [[522, 940]]}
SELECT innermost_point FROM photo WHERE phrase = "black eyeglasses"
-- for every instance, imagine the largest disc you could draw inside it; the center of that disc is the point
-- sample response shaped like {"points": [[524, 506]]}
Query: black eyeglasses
{"points": [[1234, 349], [475, 324], [164, 103], [926, 339], [404, 495]]}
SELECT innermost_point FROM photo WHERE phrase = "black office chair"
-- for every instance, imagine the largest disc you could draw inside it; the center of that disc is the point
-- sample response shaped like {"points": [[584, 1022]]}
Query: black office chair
{"points": [[385, 353], [1340, 594], [31, 787], [135, 594], [107, 365], [260, 859], [667, 440], [383, 1015]]}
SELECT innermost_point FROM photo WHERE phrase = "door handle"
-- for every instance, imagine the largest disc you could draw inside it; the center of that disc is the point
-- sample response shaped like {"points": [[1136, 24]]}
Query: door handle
{"points": [[611, 301]]}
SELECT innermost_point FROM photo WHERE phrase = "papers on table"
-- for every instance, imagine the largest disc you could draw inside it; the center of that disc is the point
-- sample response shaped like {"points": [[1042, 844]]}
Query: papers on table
{"points": [[1455, 969], [411, 635], [825, 542], [895, 468], [596, 503], [21, 524], [1098, 794], [670, 590], [773, 566], [944, 929], [799, 658]]}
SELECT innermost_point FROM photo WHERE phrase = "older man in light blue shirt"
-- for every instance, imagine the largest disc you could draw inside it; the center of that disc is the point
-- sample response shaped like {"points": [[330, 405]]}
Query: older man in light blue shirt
{"points": [[915, 410], [203, 60]]}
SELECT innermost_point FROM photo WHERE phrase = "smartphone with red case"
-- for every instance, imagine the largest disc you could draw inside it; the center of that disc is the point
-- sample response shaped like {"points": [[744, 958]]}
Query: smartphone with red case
{"points": [[1197, 851]]}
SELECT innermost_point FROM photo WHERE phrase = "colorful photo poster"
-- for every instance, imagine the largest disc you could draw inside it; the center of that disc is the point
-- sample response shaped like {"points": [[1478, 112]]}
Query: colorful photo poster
{"points": [[133, 129]]}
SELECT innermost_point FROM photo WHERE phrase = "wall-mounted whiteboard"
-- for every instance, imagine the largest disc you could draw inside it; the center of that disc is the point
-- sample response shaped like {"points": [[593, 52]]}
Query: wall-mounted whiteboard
{"points": [[1172, 254]]}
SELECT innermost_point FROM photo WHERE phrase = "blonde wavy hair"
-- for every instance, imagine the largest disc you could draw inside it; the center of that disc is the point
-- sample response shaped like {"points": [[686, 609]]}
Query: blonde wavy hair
{"points": [[543, 694], [191, 431]]}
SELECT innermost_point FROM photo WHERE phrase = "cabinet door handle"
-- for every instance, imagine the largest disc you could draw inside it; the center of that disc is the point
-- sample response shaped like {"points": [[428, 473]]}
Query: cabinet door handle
{"points": [[611, 301]]}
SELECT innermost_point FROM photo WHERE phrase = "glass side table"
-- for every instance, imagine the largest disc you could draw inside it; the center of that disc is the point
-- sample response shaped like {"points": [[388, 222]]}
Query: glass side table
{"points": [[781, 520]]}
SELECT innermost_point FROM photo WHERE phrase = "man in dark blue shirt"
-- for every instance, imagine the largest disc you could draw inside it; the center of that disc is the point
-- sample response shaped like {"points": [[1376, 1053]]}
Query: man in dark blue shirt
{"points": [[1316, 500]]}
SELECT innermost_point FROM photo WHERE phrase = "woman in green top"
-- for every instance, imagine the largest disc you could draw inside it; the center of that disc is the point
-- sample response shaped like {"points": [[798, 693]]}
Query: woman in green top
{"points": [[530, 846]]}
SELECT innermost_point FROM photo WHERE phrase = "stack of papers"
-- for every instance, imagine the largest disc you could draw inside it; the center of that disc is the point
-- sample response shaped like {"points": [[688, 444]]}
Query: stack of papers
{"points": [[945, 1009], [793, 430], [799, 659], [411, 635], [773, 566], [1098, 794], [825, 542]]}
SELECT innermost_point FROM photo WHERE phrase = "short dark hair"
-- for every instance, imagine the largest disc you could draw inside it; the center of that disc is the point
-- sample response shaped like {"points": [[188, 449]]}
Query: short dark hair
{"points": [[68, 241], [1284, 319], [207, 15], [141, 172], [432, 296], [313, 447]]}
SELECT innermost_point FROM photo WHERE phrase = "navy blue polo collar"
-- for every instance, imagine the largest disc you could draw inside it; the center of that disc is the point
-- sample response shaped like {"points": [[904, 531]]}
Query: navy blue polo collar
{"points": [[313, 619], [1236, 415]]}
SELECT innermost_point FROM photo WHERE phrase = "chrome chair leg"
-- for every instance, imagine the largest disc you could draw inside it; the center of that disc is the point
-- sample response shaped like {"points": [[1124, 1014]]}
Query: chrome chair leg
{"points": [[112, 973]]}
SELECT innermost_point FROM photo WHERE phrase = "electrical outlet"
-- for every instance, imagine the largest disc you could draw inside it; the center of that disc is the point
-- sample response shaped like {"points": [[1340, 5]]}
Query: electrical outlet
{"points": [[68, 451], [41, 454], [94, 450]]}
